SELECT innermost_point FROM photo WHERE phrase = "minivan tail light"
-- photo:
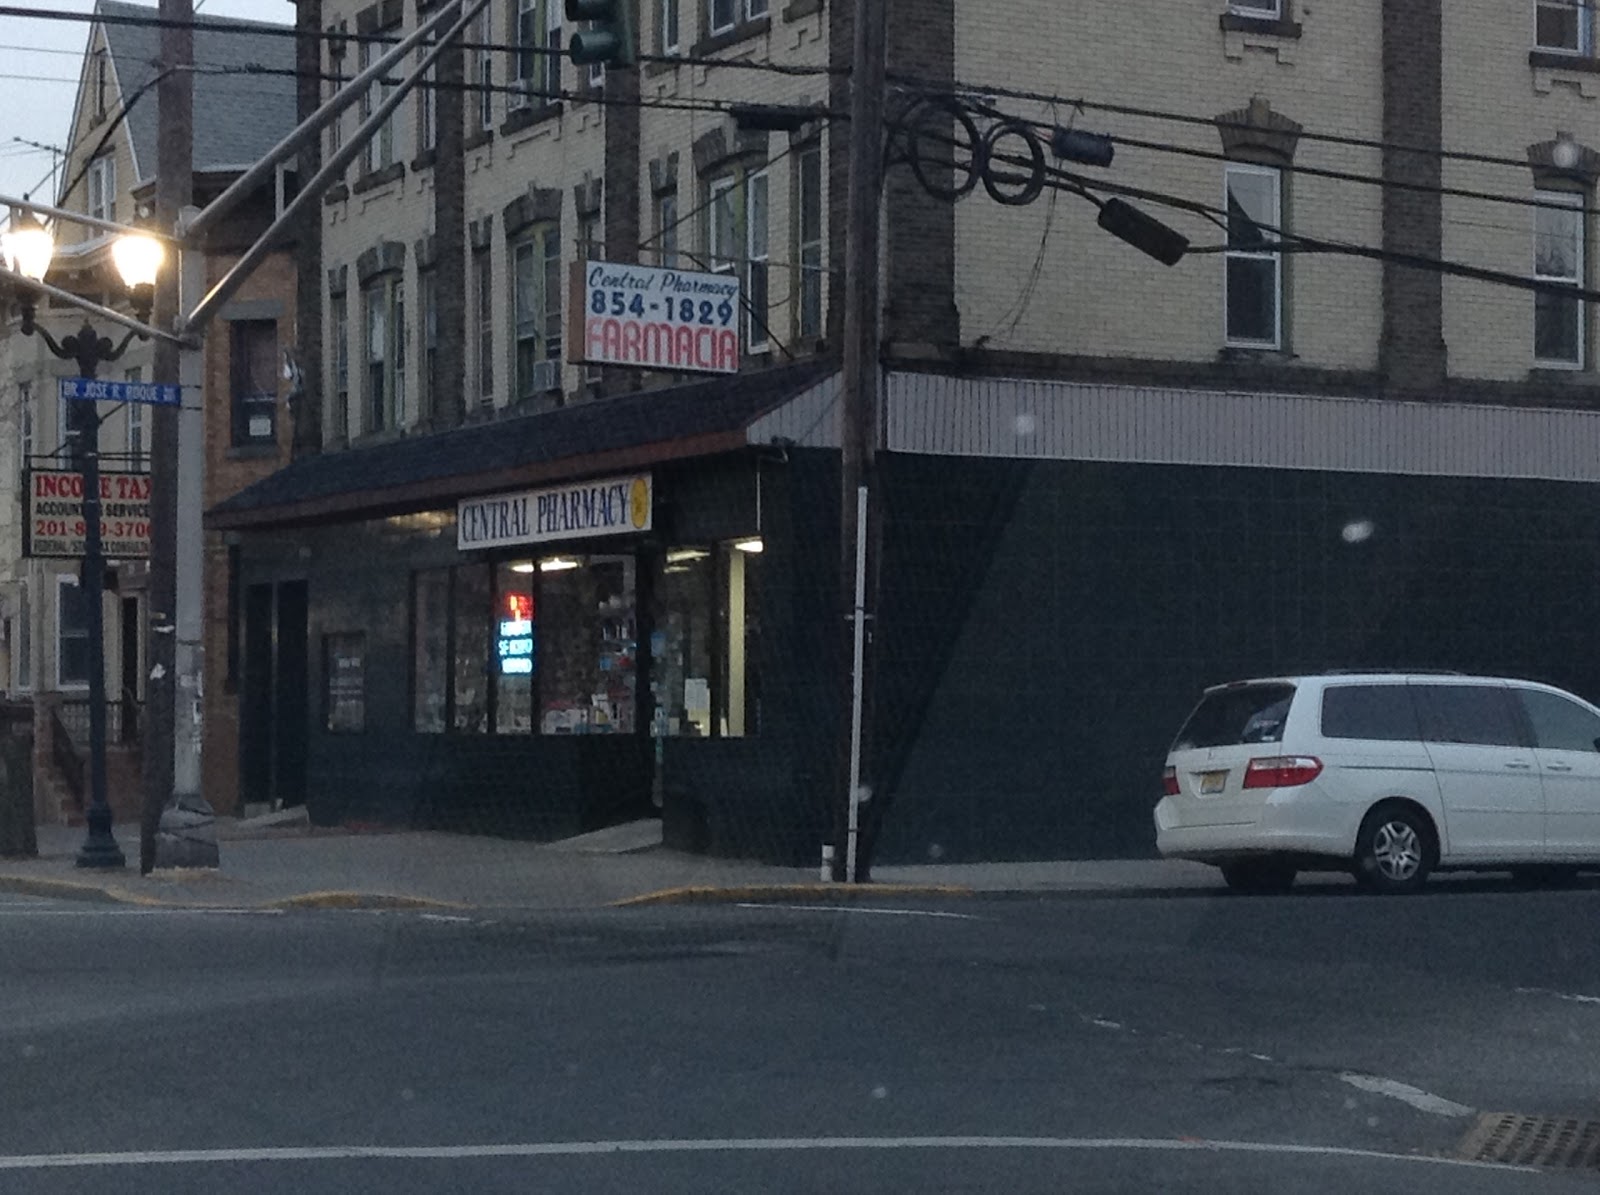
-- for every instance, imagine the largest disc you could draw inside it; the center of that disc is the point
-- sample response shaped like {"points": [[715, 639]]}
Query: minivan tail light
{"points": [[1282, 771], [1169, 781]]}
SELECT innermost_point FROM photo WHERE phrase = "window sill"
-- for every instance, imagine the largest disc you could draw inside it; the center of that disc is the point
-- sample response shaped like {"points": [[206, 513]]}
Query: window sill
{"points": [[1238, 22], [744, 31], [379, 178], [1562, 375], [1247, 354], [337, 193], [528, 116], [798, 10], [1558, 61], [478, 140], [424, 160], [252, 452]]}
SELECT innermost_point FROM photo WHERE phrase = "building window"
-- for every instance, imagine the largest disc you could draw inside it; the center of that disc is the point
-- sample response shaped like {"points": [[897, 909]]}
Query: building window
{"points": [[1558, 338], [536, 60], [705, 674], [253, 355], [427, 115], [72, 634], [340, 415], [808, 238], [103, 188], [720, 15], [755, 9], [22, 652], [378, 152], [536, 312], [667, 231], [1253, 276], [1564, 26], [430, 340], [483, 72], [25, 426], [336, 125], [430, 650], [450, 675], [667, 41], [483, 317], [1270, 9], [344, 683], [102, 73], [755, 281], [136, 441], [384, 303]]}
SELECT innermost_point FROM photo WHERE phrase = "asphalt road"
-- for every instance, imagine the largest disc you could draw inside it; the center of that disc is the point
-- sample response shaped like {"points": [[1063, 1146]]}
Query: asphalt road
{"points": [[1314, 1042]]}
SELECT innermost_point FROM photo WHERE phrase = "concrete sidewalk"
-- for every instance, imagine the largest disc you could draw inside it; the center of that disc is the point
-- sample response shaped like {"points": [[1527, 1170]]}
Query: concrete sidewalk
{"points": [[307, 867]]}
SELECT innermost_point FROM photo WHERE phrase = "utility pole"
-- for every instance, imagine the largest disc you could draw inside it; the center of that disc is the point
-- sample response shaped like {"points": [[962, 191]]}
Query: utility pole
{"points": [[174, 192], [859, 419]]}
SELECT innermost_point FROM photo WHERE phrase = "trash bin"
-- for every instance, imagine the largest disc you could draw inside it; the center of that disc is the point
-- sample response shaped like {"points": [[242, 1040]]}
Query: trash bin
{"points": [[16, 780]]}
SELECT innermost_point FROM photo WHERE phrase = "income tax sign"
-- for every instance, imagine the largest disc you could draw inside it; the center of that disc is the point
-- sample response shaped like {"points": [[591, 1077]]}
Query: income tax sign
{"points": [[55, 514], [654, 318]]}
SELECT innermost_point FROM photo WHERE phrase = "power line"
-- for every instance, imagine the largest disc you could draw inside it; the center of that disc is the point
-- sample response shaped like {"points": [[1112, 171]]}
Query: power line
{"points": [[215, 25]]}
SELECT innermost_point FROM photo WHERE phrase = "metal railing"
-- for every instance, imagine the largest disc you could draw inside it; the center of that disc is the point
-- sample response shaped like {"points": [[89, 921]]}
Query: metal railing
{"points": [[122, 719], [65, 753]]}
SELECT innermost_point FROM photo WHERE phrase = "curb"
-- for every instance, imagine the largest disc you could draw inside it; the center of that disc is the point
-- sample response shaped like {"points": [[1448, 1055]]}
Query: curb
{"points": [[773, 893], [71, 890], [360, 901]]}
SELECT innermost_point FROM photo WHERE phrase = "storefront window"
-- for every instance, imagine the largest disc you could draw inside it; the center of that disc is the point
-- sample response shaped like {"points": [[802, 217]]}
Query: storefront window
{"points": [[430, 638], [471, 609], [587, 619], [739, 694], [516, 647], [680, 645]]}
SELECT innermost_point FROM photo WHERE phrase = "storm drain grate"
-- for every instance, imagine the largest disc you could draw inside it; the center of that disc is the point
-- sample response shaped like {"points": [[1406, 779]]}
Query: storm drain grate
{"points": [[1558, 1142]]}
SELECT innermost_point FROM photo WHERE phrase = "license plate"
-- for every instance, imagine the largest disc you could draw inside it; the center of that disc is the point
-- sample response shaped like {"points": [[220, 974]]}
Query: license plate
{"points": [[1212, 783]]}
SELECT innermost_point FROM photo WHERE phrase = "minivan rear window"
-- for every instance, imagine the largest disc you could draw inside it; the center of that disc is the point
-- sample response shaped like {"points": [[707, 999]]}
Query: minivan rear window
{"points": [[1369, 712], [1227, 717]]}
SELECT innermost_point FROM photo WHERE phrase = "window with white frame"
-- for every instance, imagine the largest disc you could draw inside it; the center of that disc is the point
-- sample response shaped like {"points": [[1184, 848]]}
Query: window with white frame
{"points": [[721, 15], [135, 428], [103, 188], [536, 58], [430, 340], [1272, 9], [754, 9], [667, 39], [667, 230], [336, 125], [378, 152], [102, 80], [1253, 266], [1558, 317], [427, 113], [484, 72], [808, 240], [483, 317], [1564, 26], [756, 253], [72, 634], [383, 301], [536, 311]]}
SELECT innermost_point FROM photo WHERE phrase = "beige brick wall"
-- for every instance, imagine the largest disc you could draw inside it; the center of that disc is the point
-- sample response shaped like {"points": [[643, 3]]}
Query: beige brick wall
{"points": [[1096, 295], [1497, 104]]}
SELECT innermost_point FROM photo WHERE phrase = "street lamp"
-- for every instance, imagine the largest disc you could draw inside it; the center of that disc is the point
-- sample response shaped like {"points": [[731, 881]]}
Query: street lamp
{"points": [[28, 248]]}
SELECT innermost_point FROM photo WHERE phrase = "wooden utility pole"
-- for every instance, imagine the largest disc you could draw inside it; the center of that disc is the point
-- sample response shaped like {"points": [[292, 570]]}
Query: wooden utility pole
{"points": [[859, 423], [174, 191]]}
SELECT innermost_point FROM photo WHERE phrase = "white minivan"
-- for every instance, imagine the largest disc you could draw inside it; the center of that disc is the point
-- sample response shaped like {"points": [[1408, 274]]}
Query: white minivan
{"points": [[1388, 775]]}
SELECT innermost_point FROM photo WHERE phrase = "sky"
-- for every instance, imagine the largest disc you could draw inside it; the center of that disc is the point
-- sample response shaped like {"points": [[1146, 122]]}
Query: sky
{"points": [[39, 67]]}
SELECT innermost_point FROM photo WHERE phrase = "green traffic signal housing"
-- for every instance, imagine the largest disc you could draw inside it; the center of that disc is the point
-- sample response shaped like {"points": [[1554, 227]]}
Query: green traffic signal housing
{"points": [[609, 39]]}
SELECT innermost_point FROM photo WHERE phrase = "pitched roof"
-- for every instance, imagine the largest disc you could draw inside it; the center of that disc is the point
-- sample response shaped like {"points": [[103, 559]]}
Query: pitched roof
{"points": [[696, 418], [237, 117]]}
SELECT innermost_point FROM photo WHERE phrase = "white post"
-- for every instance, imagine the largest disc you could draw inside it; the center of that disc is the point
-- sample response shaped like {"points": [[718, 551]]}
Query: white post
{"points": [[855, 683], [190, 547]]}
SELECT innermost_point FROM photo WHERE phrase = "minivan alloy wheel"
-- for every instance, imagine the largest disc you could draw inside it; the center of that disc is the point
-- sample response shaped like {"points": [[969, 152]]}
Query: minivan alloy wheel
{"points": [[1397, 850]]}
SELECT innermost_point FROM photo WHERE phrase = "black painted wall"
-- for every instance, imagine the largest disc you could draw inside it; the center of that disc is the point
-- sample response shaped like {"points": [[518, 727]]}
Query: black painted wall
{"points": [[1070, 647]]}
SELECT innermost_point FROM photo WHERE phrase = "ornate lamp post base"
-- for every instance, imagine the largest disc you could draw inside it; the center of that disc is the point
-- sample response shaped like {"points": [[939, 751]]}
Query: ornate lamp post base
{"points": [[100, 847]]}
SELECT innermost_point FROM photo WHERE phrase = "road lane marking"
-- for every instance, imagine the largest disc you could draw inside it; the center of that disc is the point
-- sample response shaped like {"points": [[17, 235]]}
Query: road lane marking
{"points": [[869, 910], [140, 912], [1574, 997], [1422, 1101], [569, 1149]]}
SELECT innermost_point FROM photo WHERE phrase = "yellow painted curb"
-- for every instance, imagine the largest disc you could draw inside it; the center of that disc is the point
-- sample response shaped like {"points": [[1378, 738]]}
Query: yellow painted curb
{"points": [[71, 890], [359, 900], [769, 893]]}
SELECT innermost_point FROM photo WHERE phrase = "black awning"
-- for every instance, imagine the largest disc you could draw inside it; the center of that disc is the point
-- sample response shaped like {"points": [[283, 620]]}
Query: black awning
{"points": [[417, 471]]}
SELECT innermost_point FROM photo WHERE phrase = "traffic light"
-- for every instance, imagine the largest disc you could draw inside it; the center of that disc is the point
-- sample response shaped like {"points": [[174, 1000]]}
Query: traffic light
{"points": [[609, 38]]}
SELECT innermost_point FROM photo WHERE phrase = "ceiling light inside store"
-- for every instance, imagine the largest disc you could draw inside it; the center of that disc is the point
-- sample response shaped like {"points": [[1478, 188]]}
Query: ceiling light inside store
{"points": [[524, 566], [753, 544], [557, 564], [679, 555]]}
